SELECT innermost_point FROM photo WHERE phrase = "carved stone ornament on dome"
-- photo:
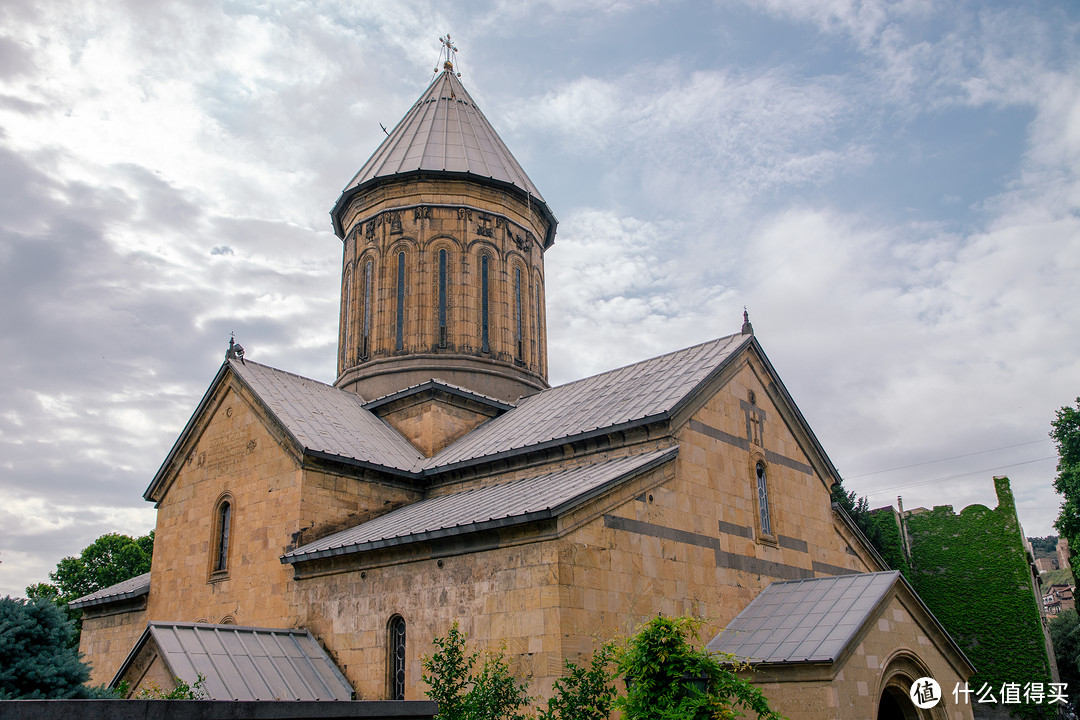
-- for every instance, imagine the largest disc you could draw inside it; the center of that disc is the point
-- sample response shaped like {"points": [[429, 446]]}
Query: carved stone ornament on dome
{"points": [[422, 213], [370, 229], [523, 242], [395, 223], [464, 213], [484, 228]]}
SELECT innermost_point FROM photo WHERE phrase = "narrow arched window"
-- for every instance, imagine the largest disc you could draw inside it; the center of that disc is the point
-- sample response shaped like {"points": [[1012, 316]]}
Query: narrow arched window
{"points": [[442, 299], [346, 316], [396, 647], [539, 333], [224, 522], [763, 499], [485, 344], [519, 321], [400, 328], [365, 330]]}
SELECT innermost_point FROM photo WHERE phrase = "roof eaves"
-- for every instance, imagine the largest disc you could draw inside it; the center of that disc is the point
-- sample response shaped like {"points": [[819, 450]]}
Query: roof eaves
{"points": [[366, 464], [465, 529], [108, 599], [492, 524], [534, 200], [438, 469]]}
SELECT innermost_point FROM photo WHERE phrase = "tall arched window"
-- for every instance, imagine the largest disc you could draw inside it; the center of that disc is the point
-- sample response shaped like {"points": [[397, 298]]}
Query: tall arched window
{"points": [[539, 333], [223, 524], [763, 499], [365, 329], [519, 320], [485, 342], [396, 665], [400, 326], [443, 339], [346, 316]]}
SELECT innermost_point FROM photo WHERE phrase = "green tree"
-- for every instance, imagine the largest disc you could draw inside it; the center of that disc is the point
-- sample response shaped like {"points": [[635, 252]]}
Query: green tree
{"points": [[110, 559], [491, 693], [36, 657], [1065, 634], [585, 693], [663, 666], [1066, 435]]}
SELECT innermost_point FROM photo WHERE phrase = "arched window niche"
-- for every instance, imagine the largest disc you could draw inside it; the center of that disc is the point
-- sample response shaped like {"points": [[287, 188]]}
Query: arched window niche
{"points": [[759, 469], [395, 647], [485, 302], [366, 308], [399, 288], [442, 317], [221, 533]]}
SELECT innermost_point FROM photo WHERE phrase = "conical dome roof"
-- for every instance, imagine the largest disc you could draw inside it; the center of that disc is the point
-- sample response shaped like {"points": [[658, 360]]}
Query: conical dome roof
{"points": [[446, 133]]}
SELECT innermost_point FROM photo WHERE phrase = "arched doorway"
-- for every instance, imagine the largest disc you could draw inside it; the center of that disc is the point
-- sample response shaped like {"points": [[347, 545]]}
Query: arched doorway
{"points": [[894, 699]]}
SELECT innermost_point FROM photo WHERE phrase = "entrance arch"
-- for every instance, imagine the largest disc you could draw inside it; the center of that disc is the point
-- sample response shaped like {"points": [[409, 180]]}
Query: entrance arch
{"points": [[894, 698]]}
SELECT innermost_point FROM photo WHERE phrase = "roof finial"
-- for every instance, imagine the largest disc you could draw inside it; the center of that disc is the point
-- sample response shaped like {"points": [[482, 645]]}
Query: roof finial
{"points": [[448, 50], [236, 350], [747, 328]]}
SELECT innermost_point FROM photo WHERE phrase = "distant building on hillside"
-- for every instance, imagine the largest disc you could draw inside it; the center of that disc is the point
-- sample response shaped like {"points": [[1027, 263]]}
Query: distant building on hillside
{"points": [[1063, 553], [1046, 564]]}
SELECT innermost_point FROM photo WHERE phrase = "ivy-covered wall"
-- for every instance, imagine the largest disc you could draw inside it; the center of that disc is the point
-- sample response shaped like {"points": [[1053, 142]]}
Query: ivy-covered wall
{"points": [[887, 539], [972, 571]]}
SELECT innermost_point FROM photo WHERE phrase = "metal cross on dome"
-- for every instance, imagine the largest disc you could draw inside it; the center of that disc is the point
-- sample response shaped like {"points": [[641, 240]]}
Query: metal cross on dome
{"points": [[448, 49]]}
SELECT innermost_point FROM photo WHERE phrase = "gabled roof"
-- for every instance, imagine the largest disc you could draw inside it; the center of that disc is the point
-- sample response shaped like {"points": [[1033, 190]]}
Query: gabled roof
{"points": [[130, 588], [516, 502], [335, 424], [322, 420], [816, 620], [644, 392], [245, 663], [444, 132], [809, 620], [325, 420], [435, 384]]}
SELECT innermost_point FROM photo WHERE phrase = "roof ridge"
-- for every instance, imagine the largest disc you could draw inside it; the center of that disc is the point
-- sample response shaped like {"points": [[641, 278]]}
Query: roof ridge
{"points": [[639, 362], [245, 363]]}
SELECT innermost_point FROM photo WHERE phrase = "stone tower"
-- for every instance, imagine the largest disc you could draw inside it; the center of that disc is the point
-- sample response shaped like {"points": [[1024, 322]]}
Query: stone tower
{"points": [[443, 271]]}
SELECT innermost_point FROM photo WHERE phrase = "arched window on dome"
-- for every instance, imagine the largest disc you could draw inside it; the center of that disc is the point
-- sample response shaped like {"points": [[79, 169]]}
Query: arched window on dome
{"points": [[539, 333], [346, 317], [396, 661], [519, 318], [399, 330], [365, 318], [443, 280], [485, 340]]}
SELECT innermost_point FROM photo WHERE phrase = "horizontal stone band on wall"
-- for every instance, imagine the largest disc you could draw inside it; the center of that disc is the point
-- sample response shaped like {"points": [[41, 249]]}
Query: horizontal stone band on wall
{"points": [[725, 559], [744, 444]]}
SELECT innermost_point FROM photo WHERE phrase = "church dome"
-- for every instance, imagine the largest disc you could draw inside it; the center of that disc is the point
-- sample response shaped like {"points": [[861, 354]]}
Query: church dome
{"points": [[443, 275]]}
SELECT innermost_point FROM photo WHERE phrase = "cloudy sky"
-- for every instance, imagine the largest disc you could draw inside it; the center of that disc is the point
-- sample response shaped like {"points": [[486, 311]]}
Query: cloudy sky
{"points": [[891, 188]]}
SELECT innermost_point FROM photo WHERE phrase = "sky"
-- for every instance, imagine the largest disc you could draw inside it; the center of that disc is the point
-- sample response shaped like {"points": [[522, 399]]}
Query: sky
{"points": [[892, 189]]}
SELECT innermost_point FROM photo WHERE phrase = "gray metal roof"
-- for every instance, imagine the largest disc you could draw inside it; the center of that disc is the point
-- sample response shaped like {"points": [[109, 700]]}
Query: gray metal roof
{"points": [[326, 420], [809, 620], [244, 663], [515, 502], [445, 131], [130, 588], [648, 389], [438, 384]]}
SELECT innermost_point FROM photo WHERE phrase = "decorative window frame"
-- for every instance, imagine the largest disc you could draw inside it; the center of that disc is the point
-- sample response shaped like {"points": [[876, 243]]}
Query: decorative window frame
{"points": [[221, 535], [764, 517], [396, 638]]}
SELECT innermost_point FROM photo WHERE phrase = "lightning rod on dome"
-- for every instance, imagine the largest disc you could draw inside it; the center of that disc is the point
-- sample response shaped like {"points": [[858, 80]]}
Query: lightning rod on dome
{"points": [[448, 49]]}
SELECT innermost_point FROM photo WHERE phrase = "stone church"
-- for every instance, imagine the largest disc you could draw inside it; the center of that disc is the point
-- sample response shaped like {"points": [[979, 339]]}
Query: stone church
{"points": [[312, 539]]}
